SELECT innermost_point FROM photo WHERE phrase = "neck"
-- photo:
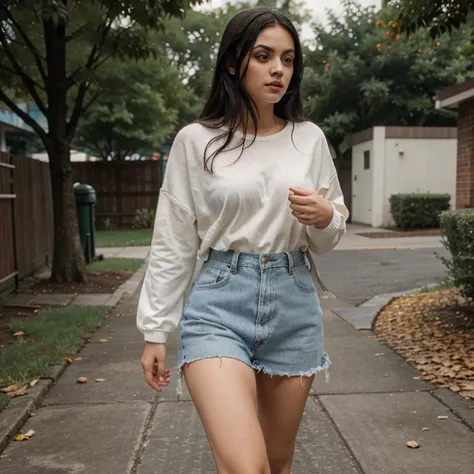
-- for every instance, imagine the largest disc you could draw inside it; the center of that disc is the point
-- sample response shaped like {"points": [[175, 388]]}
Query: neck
{"points": [[267, 121]]}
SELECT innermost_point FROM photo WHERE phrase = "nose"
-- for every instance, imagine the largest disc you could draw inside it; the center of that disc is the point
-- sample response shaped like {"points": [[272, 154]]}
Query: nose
{"points": [[277, 68]]}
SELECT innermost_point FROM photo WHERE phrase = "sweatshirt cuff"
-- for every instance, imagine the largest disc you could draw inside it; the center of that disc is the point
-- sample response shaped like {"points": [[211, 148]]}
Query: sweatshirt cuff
{"points": [[156, 336], [335, 223]]}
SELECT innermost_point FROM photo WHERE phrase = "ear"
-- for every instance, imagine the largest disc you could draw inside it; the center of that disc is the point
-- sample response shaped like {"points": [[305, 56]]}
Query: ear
{"points": [[231, 71]]}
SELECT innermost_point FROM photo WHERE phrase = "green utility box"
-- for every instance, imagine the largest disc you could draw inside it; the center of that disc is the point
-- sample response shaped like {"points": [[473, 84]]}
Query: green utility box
{"points": [[85, 205]]}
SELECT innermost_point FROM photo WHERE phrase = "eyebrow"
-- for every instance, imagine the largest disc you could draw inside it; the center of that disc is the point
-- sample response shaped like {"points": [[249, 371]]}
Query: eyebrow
{"points": [[271, 49]]}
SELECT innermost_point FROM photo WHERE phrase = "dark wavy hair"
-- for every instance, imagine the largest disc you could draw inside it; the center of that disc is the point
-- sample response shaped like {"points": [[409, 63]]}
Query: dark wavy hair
{"points": [[228, 96]]}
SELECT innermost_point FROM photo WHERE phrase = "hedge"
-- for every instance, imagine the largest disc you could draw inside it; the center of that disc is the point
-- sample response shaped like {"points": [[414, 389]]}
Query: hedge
{"points": [[457, 231], [418, 211]]}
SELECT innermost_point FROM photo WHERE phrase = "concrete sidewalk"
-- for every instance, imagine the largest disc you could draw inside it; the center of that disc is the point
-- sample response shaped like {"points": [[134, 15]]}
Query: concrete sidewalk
{"points": [[359, 422]]}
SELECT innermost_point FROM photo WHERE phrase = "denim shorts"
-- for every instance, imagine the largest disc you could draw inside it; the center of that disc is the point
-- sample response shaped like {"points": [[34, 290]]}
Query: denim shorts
{"points": [[261, 309]]}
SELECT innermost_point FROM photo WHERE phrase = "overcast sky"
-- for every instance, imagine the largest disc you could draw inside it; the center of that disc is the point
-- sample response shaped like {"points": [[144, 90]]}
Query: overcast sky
{"points": [[318, 7]]}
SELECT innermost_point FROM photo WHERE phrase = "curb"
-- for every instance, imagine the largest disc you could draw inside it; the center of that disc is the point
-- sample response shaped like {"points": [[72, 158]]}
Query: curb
{"points": [[19, 410]]}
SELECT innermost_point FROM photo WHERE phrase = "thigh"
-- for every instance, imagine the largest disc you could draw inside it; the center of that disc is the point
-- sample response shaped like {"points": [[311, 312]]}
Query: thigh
{"points": [[224, 393], [281, 402]]}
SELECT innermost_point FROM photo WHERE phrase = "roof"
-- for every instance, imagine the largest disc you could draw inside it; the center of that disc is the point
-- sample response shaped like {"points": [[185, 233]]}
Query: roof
{"points": [[452, 96]]}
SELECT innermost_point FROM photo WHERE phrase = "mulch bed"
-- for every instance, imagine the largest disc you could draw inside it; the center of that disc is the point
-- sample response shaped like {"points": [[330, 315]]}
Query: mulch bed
{"points": [[97, 282], [400, 233], [435, 333]]}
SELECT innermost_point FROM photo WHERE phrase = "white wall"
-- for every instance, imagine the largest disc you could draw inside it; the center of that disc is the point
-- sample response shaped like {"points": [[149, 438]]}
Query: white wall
{"points": [[362, 183], [425, 166]]}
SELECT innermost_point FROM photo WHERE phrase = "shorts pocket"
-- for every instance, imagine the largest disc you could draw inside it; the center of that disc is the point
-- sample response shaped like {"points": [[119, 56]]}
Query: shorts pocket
{"points": [[212, 277], [303, 280]]}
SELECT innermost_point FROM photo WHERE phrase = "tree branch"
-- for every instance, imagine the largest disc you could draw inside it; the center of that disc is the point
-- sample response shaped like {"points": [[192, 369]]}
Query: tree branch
{"points": [[76, 113], [27, 80], [92, 100], [25, 117], [5, 68], [33, 49]]}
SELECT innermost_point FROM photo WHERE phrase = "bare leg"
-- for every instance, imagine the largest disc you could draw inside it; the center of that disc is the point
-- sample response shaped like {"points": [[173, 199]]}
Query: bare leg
{"points": [[224, 393], [281, 402]]}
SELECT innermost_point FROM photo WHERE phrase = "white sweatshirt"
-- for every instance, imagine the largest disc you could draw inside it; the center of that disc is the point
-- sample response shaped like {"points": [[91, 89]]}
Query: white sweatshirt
{"points": [[242, 206]]}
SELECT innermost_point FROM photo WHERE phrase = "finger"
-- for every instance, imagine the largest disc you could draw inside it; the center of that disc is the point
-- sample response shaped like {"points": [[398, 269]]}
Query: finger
{"points": [[301, 200], [160, 370], [151, 380], [308, 222], [301, 192], [298, 208]]}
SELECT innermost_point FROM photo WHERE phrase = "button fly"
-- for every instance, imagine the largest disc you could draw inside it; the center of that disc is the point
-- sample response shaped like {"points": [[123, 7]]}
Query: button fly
{"points": [[265, 260]]}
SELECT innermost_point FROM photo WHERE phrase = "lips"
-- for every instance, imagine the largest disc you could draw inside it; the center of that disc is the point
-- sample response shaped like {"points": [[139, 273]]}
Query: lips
{"points": [[275, 84]]}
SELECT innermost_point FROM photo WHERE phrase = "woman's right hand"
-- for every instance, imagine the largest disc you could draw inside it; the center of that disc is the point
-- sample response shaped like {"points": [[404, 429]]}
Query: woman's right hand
{"points": [[153, 363]]}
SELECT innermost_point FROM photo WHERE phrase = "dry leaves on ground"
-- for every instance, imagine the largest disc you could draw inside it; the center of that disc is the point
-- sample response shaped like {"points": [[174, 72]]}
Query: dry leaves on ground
{"points": [[435, 333]]}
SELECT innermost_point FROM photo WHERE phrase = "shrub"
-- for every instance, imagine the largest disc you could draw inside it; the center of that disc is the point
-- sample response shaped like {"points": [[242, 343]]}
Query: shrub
{"points": [[144, 219], [418, 211], [457, 231]]}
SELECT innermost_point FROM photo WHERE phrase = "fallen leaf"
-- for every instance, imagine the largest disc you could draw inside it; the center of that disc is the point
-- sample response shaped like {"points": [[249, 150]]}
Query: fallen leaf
{"points": [[468, 386], [19, 334], [34, 382], [10, 388], [24, 436], [455, 388], [104, 340], [442, 417], [465, 394], [82, 380], [413, 444], [77, 358], [69, 360], [17, 393], [425, 428], [100, 380]]}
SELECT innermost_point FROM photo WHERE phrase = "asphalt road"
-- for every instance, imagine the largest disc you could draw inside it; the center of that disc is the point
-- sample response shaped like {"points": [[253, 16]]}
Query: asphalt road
{"points": [[356, 276]]}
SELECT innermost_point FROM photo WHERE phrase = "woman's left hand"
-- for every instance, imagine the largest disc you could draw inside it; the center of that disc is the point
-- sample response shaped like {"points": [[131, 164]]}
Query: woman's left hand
{"points": [[310, 208]]}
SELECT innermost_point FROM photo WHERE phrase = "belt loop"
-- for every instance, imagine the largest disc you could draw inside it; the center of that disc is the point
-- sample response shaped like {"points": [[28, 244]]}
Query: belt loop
{"points": [[235, 261], [290, 263]]}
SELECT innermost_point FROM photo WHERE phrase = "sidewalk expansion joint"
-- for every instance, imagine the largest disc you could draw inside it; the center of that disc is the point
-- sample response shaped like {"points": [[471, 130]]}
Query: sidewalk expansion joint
{"points": [[346, 445]]}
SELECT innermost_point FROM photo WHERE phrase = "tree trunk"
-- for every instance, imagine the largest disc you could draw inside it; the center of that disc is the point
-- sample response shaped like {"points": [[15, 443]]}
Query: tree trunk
{"points": [[68, 258]]}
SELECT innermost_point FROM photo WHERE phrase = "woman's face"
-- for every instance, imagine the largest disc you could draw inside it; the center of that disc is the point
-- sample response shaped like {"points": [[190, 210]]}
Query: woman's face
{"points": [[270, 65]]}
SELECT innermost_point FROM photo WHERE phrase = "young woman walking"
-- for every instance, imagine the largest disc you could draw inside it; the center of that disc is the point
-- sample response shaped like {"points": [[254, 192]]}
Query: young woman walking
{"points": [[250, 189]]}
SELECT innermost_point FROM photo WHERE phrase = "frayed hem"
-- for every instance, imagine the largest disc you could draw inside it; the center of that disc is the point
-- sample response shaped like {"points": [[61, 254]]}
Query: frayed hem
{"points": [[325, 364]]}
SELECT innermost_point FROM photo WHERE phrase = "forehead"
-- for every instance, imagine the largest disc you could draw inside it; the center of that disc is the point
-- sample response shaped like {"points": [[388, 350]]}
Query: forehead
{"points": [[276, 37]]}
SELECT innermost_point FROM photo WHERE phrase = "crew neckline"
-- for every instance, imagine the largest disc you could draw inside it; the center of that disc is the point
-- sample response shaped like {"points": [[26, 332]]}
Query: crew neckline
{"points": [[263, 138]]}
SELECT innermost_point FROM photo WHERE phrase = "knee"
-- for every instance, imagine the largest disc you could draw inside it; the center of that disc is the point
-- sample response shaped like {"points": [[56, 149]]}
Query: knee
{"points": [[256, 468]]}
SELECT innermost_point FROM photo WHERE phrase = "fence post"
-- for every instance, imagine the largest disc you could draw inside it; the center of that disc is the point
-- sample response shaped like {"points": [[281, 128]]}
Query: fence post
{"points": [[12, 191]]}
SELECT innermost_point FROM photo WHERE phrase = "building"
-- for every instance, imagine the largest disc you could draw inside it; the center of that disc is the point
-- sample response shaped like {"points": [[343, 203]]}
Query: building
{"points": [[399, 160], [460, 97]]}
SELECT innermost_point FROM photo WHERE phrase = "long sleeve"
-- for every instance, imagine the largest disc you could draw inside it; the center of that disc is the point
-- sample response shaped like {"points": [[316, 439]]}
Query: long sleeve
{"points": [[173, 253], [323, 240]]}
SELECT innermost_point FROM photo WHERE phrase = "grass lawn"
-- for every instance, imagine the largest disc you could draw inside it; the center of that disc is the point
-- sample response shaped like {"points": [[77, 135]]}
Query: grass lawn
{"points": [[123, 238], [116, 265], [49, 337]]}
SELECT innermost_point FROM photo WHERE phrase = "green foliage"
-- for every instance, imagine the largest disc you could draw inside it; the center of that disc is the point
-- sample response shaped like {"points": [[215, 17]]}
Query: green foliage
{"points": [[457, 230], [144, 219], [418, 211], [439, 16], [137, 109], [361, 73]]}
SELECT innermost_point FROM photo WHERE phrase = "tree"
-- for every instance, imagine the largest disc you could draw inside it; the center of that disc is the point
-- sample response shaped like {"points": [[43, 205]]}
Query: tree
{"points": [[440, 16], [138, 109], [363, 73], [37, 37]]}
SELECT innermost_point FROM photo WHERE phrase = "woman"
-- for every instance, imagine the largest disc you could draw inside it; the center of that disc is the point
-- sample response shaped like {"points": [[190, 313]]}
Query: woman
{"points": [[249, 188]]}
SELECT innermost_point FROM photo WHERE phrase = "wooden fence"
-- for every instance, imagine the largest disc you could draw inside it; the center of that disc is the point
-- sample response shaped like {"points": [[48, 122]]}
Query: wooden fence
{"points": [[26, 217], [122, 187]]}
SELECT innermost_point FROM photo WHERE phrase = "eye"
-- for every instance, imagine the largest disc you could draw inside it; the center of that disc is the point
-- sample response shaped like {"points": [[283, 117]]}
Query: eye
{"points": [[262, 57], [289, 60]]}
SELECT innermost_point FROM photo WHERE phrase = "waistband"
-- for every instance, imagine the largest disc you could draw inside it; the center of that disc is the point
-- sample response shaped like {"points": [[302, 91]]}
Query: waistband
{"points": [[237, 259]]}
